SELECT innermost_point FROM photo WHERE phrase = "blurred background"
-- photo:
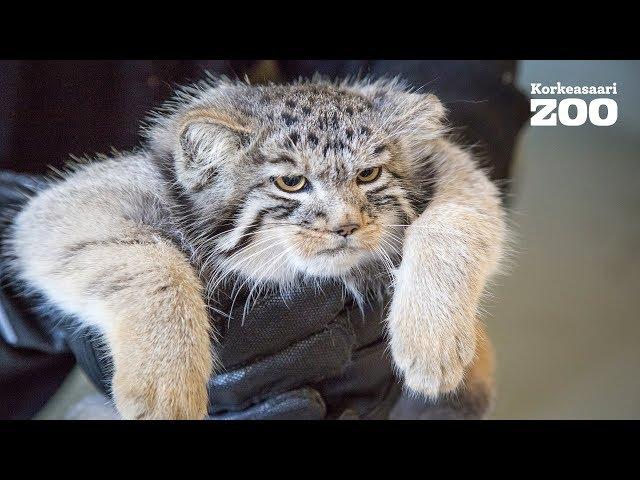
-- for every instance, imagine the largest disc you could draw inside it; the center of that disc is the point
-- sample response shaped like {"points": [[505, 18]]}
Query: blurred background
{"points": [[564, 321]]}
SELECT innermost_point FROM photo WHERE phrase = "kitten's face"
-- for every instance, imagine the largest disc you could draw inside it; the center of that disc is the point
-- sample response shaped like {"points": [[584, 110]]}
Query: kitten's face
{"points": [[300, 180], [319, 214]]}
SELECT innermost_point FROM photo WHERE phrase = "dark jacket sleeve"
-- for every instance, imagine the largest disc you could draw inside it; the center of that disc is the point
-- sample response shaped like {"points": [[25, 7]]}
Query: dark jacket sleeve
{"points": [[34, 357]]}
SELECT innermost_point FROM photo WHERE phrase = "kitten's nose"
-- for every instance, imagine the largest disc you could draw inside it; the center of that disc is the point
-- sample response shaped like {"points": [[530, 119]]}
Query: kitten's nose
{"points": [[346, 230]]}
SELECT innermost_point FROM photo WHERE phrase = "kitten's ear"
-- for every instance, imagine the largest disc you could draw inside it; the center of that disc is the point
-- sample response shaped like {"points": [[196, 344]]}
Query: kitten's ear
{"points": [[415, 113], [207, 141], [426, 109], [404, 112]]}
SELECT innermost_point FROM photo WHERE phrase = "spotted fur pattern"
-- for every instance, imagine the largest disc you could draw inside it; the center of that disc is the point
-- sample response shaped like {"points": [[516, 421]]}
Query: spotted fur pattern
{"points": [[139, 245]]}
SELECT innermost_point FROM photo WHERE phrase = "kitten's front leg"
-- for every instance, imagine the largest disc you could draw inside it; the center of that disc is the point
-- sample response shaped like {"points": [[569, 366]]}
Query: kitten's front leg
{"points": [[157, 329], [144, 296], [448, 254], [159, 336]]}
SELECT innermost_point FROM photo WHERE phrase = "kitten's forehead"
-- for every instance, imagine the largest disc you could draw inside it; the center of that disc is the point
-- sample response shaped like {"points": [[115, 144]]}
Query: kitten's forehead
{"points": [[330, 128], [310, 98]]}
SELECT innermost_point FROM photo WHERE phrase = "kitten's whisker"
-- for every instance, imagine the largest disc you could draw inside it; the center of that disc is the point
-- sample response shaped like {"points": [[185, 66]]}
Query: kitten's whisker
{"points": [[265, 268], [388, 262], [240, 252], [270, 240], [393, 249], [246, 259], [380, 254], [251, 277], [399, 242], [221, 248]]}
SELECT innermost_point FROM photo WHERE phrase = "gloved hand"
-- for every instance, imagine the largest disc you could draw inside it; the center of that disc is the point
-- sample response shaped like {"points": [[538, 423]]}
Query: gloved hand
{"points": [[308, 355]]}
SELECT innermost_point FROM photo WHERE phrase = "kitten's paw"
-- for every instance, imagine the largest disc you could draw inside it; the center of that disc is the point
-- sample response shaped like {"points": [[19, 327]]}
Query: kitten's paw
{"points": [[170, 397], [432, 363]]}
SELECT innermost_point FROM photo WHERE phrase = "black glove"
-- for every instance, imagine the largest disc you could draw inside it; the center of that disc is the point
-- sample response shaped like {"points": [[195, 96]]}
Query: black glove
{"points": [[308, 355]]}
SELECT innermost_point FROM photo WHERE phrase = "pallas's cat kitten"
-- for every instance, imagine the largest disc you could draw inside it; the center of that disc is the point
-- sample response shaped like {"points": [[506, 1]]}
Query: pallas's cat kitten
{"points": [[271, 185]]}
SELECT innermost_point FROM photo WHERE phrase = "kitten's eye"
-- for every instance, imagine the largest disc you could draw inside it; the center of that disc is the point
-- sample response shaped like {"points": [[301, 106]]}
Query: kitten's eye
{"points": [[369, 174], [291, 184]]}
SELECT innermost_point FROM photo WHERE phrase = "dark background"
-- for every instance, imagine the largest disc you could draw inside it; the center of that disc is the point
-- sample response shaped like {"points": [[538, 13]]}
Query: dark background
{"points": [[53, 109]]}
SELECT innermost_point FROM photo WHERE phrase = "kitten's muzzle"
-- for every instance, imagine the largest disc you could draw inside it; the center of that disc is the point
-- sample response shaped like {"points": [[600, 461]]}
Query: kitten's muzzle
{"points": [[346, 230]]}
